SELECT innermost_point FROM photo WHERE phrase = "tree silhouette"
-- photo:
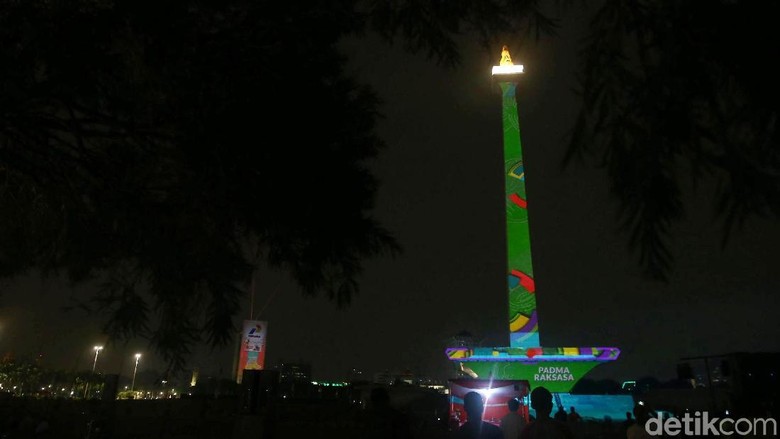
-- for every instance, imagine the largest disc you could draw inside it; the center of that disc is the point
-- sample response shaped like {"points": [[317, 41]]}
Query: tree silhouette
{"points": [[164, 149], [674, 92]]}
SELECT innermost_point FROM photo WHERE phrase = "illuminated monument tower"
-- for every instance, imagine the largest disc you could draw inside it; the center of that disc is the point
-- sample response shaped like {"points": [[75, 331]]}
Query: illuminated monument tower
{"points": [[557, 369]]}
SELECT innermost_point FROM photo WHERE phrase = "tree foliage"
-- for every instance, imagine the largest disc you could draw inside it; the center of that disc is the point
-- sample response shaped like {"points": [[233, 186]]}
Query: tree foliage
{"points": [[20, 377], [166, 148], [674, 92]]}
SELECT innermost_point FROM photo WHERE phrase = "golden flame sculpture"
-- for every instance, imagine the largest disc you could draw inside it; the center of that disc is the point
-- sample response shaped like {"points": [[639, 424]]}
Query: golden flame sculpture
{"points": [[506, 66], [506, 59]]}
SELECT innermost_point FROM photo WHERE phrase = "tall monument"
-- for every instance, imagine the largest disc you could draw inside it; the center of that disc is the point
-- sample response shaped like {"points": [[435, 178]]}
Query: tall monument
{"points": [[557, 369]]}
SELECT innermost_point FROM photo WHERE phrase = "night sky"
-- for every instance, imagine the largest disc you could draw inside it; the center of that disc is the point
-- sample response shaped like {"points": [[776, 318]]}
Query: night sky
{"points": [[442, 197]]}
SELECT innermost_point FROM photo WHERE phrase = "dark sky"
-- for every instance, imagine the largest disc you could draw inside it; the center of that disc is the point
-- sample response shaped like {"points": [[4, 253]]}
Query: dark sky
{"points": [[442, 196]]}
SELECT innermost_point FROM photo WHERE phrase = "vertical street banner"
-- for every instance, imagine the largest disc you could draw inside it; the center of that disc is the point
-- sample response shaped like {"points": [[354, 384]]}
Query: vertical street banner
{"points": [[251, 352]]}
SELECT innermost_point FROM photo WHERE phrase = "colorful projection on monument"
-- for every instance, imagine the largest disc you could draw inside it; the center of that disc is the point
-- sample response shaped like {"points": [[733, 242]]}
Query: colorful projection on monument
{"points": [[532, 354], [523, 320], [557, 369]]}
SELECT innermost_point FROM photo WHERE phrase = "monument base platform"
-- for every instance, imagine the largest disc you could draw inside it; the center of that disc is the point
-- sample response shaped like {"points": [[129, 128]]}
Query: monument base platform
{"points": [[557, 369]]}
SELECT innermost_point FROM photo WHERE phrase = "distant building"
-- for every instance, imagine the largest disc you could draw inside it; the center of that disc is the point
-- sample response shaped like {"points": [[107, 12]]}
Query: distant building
{"points": [[406, 377], [385, 378], [388, 378], [295, 380], [743, 383], [356, 375], [333, 390], [462, 339], [752, 380], [295, 372]]}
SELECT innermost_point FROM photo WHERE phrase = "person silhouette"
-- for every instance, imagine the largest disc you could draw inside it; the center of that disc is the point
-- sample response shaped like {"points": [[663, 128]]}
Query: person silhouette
{"points": [[637, 430], [627, 423], [475, 427], [544, 427], [607, 427], [560, 415], [513, 422], [574, 417]]}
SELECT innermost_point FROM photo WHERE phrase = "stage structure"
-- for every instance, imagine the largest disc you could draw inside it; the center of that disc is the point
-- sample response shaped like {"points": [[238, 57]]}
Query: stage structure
{"points": [[557, 369]]}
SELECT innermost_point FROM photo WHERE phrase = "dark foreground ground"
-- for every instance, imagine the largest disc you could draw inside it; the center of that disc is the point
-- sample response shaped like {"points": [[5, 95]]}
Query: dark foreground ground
{"points": [[224, 418], [191, 419]]}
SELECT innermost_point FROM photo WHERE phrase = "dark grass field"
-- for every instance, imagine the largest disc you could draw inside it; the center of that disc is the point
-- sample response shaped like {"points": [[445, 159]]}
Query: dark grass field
{"points": [[197, 418]]}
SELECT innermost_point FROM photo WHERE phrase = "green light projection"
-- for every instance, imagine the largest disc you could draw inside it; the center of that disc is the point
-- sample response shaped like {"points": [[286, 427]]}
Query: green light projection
{"points": [[557, 369], [523, 320]]}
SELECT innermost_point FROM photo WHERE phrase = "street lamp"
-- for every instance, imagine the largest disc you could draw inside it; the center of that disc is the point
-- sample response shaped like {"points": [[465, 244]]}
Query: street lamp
{"points": [[137, 357], [94, 364], [97, 351]]}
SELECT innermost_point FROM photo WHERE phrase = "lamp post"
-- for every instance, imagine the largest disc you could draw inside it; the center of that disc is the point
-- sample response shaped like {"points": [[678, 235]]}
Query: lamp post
{"points": [[97, 351], [94, 364], [137, 357]]}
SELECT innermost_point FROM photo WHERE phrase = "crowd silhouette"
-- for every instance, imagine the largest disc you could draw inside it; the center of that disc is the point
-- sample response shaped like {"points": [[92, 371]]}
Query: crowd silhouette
{"points": [[381, 420]]}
